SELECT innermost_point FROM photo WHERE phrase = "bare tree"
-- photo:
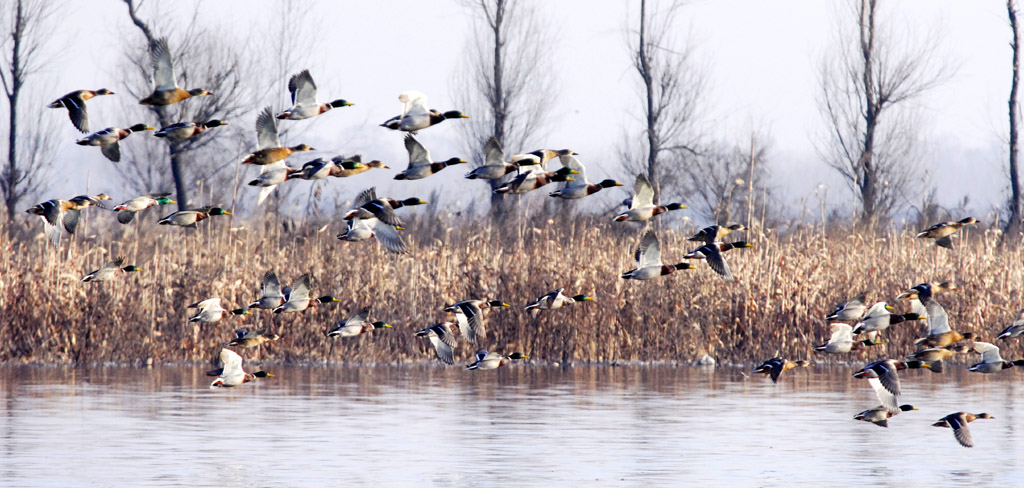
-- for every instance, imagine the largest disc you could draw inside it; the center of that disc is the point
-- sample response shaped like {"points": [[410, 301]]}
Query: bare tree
{"points": [[510, 92], [865, 79], [22, 45], [672, 86], [201, 59], [1013, 225], [724, 181]]}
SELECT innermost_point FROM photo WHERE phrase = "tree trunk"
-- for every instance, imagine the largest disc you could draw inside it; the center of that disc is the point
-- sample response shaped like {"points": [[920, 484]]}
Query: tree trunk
{"points": [[653, 145], [13, 177], [1013, 226], [174, 150], [868, 178], [499, 110]]}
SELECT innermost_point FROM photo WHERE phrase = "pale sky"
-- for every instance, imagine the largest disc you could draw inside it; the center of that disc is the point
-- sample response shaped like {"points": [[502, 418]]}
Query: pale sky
{"points": [[763, 59]]}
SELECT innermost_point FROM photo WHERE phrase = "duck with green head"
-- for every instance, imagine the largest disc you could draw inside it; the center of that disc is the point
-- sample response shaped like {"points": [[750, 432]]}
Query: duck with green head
{"points": [[185, 218], [110, 271], [358, 323], [469, 315], [493, 360], [298, 299], [184, 130], [127, 210], [555, 300]]}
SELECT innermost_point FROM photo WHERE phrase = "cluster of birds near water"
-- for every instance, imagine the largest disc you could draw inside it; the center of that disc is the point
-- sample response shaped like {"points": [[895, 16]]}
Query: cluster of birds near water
{"points": [[374, 217], [940, 344]]}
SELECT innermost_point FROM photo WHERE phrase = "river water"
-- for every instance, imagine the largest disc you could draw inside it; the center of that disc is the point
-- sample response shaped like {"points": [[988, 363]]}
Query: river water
{"points": [[524, 425]]}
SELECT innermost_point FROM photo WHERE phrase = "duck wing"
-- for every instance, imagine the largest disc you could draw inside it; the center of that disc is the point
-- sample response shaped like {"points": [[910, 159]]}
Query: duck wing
{"points": [[418, 155], [163, 66], [468, 315], [366, 196], [302, 88], [960, 431], [301, 289], [232, 363], [938, 320], [989, 352], [414, 103], [888, 376], [388, 236], [271, 287], [889, 400], [494, 155], [573, 163], [717, 261], [76, 112], [841, 333], [112, 151], [649, 252], [266, 130], [643, 193]]}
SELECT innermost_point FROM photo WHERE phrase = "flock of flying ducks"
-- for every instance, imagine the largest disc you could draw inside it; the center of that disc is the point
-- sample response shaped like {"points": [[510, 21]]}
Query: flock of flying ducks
{"points": [[375, 217], [940, 344]]}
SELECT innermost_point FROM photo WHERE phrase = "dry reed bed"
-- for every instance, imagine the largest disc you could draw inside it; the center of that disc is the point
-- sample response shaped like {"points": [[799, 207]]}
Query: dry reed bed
{"points": [[784, 286]]}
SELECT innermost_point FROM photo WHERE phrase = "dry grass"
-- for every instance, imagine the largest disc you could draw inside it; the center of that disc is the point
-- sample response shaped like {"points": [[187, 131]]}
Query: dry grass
{"points": [[784, 287]]}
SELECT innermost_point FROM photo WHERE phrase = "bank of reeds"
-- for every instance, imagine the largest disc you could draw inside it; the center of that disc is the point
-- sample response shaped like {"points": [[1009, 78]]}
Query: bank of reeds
{"points": [[784, 287]]}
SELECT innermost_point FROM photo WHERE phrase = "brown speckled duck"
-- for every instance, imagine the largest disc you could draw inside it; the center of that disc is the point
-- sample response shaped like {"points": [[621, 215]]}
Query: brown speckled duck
{"points": [[165, 85]]}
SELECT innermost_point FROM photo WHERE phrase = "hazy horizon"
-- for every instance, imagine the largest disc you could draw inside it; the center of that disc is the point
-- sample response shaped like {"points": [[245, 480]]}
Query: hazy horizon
{"points": [[762, 59]]}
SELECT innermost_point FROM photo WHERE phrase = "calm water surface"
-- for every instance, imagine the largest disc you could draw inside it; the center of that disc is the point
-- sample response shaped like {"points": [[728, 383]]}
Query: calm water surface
{"points": [[526, 425]]}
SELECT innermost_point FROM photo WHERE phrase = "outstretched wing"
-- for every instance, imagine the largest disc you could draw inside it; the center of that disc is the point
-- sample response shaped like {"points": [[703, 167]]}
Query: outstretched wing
{"points": [[163, 66], [418, 155], [302, 88], [841, 333], [989, 352], [414, 103], [232, 362], [388, 236], [266, 130], [643, 193], [888, 399], [571, 162], [271, 287], [649, 253], [366, 196], [717, 261], [494, 155], [112, 151]]}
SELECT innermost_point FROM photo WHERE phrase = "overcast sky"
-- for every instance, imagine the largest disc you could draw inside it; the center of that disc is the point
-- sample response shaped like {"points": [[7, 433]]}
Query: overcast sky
{"points": [[763, 58]]}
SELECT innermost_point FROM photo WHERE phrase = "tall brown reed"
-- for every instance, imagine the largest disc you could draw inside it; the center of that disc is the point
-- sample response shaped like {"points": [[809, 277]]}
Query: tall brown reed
{"points": [[784, 287]]}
